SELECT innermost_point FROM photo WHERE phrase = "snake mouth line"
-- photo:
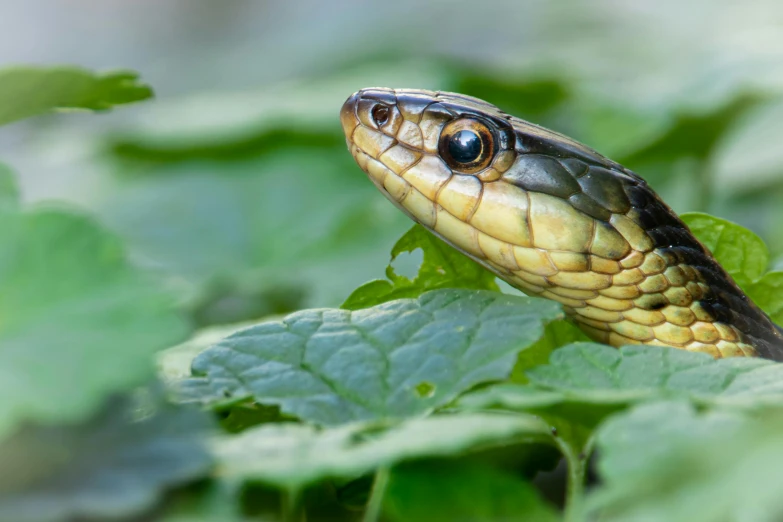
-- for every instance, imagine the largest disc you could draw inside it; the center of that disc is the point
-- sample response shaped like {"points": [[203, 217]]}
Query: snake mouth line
{"points": [[554, 219]]}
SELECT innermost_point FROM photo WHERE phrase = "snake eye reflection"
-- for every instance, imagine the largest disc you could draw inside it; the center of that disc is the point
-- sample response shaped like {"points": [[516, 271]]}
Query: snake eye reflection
{"points": [[464, 146], [467, 145], [380, 114]]}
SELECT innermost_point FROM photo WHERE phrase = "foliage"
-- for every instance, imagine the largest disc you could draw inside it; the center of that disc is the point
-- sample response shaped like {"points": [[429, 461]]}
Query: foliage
{"points": [[441, 267], [395, 360], [29, 91], [746, 258], [428, 395]]}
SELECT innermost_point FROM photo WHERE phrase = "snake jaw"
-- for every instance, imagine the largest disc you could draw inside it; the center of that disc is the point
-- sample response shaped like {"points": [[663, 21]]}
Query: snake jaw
{"points": [[553, 218]]}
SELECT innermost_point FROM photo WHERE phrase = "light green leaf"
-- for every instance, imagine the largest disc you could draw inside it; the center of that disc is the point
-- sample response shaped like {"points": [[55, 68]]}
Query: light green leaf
{"points": [[293, 455], [669, 462], [399, 359], [584, 382], [174, 363], [630, 441], [749, 157], [115, 465], [596, 371], [741, 252], [29, 91], [442, 267], [447, 491], [78, 322]]}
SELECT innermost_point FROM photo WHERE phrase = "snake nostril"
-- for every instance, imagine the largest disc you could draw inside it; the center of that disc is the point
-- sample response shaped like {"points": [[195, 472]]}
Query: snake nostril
{"points": [[347, 114]]}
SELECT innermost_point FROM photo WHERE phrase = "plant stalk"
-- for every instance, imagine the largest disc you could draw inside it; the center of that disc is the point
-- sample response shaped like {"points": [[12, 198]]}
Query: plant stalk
{"points": [[292, 507], [373, 510]]}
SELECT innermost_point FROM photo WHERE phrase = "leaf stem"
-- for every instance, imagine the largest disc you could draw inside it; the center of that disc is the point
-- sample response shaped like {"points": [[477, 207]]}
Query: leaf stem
{"points": [[577, 471], [373, 510], [291, 506]]}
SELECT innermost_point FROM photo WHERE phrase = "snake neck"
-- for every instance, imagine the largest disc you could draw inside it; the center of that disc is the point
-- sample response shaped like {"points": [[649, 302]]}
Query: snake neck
{"points": [[686, 298]]}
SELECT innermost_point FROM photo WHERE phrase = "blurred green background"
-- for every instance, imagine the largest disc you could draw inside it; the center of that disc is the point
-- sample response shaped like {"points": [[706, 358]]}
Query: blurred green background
{"points": [[235, 183]]}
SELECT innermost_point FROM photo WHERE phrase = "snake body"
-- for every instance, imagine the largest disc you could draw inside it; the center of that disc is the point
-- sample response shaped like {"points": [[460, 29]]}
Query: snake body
{"points": [[555, 219]]}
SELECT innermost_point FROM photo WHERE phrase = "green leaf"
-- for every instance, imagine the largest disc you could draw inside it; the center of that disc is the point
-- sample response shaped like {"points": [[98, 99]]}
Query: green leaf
{"points": [[741, 252], [115, 465], [767, 293], [442, 267], [77, 321], [29, 91], [398, 359], [444, 490], [744, 256], [669, 462], [291, 456]]}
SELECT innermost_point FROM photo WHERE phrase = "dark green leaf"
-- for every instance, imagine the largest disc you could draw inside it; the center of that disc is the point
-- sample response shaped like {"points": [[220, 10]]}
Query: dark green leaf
{"points": [[556, 334], [442, 267], [398, 359], [115, 465], [215, 501], [448, 491], [78, 321], [29, 91], [293, 455]]}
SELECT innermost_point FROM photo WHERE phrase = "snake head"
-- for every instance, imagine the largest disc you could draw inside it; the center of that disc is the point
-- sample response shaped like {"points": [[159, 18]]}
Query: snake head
{"points": [[514, 196], [431, 155]]}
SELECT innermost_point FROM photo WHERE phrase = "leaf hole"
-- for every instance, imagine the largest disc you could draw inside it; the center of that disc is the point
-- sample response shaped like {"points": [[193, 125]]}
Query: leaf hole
{"points": [[425, 389], [407, 264]]}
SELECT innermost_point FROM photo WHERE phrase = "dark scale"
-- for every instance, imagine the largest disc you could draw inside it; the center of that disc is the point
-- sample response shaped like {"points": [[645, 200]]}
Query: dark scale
{"points": [[604, 185]]}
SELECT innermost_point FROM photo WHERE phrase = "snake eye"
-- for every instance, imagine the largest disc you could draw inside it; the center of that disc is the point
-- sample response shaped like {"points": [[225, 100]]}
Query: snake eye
{"points": [[380, 114], [467, 145]]}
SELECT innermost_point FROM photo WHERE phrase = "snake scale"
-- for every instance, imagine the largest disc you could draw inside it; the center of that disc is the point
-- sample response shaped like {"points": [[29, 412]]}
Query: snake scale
{"points": [[555, 219]]}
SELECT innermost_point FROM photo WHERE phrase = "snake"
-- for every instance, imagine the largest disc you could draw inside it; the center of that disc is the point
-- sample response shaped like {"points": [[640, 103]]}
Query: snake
{"points": [[555, 219]]}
